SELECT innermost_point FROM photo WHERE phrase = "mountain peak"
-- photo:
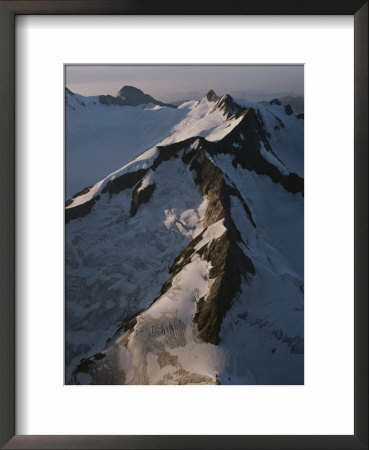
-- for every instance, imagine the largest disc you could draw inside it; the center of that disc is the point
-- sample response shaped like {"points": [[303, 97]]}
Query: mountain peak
{"points": [[227, 105], [134, 96], [130, 90], [212, 96]]}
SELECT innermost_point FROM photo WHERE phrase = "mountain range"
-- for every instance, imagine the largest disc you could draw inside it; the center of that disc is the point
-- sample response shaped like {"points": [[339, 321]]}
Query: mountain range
{"points": [[296, 101], [184, 262]]}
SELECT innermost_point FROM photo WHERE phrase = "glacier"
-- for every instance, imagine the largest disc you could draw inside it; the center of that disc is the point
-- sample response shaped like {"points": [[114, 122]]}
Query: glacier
{"points": [[184, 247]]}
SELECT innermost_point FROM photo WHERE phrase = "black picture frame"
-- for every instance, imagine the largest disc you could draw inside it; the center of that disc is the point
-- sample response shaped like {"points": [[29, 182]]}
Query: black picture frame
{"points": [[8, 11]]}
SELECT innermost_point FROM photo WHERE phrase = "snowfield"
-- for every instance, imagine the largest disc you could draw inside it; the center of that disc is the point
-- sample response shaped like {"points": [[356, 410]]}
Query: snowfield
{"points": [[169, 232], [123, 261]]}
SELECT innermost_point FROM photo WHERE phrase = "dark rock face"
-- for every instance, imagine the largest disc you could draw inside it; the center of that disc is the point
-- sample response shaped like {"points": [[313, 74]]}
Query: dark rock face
{"points": [[293, 183], [288, 110], [229, 262], [300, 115], [212, 96], [110, 100], [139, 197], [225, 104], [248, 154], [228, 106], [125, 181], [170, 151], [275, 101], [210, 180], [80, 210], [229, 265]]}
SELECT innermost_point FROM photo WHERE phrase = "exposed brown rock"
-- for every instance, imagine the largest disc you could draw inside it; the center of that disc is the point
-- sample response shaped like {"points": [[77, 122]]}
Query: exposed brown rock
{"points": [[229, 265]]}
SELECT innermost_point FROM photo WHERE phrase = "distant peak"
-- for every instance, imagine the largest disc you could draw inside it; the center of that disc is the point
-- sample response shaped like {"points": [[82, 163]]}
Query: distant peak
{"points": [[212, 96], [129, 90], [131, 96]]}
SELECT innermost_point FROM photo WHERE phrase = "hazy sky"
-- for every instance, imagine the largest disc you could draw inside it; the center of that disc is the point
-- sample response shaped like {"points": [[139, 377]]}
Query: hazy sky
{"points": [[166, 82]]}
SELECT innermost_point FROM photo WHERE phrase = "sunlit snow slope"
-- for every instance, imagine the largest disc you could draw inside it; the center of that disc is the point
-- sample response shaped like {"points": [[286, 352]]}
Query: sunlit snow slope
{"points": [[102, 136], [184, 263]]}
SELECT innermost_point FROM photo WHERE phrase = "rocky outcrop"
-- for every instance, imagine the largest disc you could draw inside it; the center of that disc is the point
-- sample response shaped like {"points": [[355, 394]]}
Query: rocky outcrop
{"points": [[113, 186], [140, 196], [288, 110], [110, 100], [229, 264], [81, 210], [125, 181], [228, 106], [275, 101]]}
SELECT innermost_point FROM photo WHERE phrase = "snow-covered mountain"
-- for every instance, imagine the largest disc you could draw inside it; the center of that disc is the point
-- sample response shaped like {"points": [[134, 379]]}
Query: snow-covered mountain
{"points": [[185, 264]]}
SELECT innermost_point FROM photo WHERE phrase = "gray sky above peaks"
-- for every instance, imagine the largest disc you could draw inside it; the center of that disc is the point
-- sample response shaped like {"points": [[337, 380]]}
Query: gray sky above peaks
{"points": [[172, 82]]}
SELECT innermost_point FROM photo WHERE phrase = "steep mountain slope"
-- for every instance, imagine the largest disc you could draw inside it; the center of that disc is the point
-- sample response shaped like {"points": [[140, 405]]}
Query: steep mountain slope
{"points": [[186, 265], [105, 132]]}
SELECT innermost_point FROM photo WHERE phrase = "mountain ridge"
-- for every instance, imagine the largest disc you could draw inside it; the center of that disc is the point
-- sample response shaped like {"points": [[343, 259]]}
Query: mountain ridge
{"points": [[180, 242], [127, 96]]}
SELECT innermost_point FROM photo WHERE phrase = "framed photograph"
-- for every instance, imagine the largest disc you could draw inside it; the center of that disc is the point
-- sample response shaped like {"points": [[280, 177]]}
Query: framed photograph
{"points": [[184, 243], [168, 277]]}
